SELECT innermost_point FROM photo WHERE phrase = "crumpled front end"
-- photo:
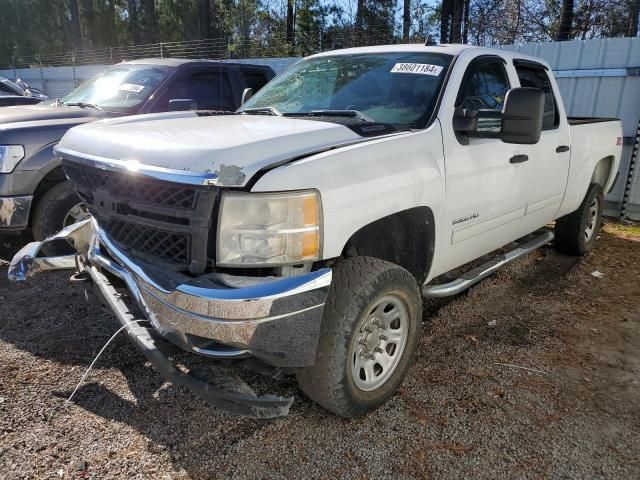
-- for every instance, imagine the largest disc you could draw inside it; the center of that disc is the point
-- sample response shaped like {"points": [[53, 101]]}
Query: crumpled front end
{"points": [[217, 315]]}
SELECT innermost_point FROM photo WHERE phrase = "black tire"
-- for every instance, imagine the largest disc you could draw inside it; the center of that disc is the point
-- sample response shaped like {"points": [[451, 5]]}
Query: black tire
{"points": [[358, 285], [50, 214], [571, 230]]}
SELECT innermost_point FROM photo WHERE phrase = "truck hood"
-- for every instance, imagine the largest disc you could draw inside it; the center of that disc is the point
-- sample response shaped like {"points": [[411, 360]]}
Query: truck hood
{"points": [[234, 147]]}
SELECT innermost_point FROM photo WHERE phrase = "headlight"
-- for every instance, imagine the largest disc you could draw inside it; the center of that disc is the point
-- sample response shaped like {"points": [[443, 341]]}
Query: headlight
{"points": [[268, 228], [10, 156]]}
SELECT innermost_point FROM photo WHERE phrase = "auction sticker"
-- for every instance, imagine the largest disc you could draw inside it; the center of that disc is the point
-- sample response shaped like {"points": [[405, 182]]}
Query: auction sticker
{"points": [[131, 87], [417, 68]]}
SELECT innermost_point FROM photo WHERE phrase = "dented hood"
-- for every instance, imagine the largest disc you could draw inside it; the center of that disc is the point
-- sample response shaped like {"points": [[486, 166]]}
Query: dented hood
{"points": [[234, 147]]}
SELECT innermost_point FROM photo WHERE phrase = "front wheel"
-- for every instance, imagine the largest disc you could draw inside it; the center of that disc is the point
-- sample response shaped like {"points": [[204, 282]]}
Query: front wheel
{"points": [[577, 232], [368, 338], [59, 207]]}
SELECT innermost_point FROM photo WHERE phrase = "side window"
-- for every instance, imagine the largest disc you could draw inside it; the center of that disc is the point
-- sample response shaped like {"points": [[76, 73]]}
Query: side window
{"points": [[5, 90], [255, 79], [206, 90], [484, 88], [538, 78]]}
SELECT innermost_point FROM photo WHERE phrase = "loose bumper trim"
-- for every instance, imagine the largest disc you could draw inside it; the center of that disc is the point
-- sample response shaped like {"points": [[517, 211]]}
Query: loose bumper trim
{"points": [[14, 212], [216, 384]]}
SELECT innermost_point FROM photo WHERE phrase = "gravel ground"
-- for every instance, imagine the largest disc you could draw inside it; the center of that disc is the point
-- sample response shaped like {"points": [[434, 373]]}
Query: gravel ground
{"points": [[459, 413]]}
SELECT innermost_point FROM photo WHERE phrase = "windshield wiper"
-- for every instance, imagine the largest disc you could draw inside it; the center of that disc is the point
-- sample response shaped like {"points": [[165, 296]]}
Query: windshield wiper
{"points": [[338, 113], [263, 111], [82, 105]]}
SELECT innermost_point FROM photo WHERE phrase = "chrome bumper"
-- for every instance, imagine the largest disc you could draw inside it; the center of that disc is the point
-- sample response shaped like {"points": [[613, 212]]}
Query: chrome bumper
{"points": [[14, 212], [274, 319]]}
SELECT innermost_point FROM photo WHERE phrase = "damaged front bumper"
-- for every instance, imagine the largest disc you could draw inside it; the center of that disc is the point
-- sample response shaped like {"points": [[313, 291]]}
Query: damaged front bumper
{"points": [[218, 315]]}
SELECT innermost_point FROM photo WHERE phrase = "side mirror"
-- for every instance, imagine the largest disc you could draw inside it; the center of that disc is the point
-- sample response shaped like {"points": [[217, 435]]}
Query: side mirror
{"points": [[522, 116], [465, 121], [465, 124], [246, 95], [182, 104]]}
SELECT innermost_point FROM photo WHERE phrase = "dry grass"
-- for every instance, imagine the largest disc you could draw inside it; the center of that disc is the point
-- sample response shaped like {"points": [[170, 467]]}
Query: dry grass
{"points": [[628, 230]]}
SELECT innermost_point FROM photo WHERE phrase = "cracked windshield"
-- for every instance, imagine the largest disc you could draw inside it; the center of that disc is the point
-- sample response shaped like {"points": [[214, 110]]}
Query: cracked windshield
{"points": [[391, 88]]}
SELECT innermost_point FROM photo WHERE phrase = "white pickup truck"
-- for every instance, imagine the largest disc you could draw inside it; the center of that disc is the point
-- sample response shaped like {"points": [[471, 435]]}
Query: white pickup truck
{"points": [[299, 234]]}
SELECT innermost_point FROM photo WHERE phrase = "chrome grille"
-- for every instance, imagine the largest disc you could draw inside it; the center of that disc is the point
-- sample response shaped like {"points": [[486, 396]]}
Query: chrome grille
{"points": [[161, 222], [131, 187]]}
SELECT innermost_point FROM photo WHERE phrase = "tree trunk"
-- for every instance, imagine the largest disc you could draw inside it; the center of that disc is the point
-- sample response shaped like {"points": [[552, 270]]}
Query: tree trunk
{"points": [[76, 35], [456, 21], [406, 20], [89, 17], [290, 34], [566, 21], [204, 19], [149, 7], [465, 29], [634, 11], [134, 21], [359, 22], [445, 21]]}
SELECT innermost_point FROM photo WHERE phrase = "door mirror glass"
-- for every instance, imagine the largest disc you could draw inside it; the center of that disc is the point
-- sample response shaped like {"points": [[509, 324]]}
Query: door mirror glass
{"points": [[522, 116], [246, 95], [465, 121], [182, 104]]}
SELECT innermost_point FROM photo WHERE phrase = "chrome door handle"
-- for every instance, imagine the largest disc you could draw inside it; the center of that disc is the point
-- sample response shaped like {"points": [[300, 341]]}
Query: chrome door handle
{"points": [[519, 158]]}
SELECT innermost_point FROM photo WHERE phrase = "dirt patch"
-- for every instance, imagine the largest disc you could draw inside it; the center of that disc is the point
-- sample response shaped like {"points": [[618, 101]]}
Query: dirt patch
{"points": [[466, 410]]}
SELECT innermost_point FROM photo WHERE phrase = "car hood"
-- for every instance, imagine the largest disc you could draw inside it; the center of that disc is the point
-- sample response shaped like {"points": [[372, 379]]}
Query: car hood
{"points": [[36, 126], [39, 112], [234, 147]]}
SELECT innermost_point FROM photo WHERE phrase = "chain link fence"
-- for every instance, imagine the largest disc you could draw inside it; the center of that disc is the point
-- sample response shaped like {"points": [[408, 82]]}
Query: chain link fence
{"points": [[258, 46]]}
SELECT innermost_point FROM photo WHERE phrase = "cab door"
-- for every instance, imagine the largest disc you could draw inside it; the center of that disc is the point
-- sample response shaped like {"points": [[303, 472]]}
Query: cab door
{"points": [[485, 181], [549, 158]]}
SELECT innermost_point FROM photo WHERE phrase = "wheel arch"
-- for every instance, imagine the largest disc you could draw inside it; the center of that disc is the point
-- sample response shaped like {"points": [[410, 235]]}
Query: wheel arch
{"points": [[405, 238], [602, 172], [52, 178]]}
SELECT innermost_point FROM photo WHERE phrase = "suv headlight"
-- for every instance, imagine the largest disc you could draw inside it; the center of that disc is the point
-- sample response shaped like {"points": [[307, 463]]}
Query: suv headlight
{"points": [[268, 228], [10, 156]]}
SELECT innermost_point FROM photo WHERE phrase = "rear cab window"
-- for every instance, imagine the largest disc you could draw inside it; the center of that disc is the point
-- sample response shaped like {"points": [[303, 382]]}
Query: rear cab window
{"points": [[531, 74]]}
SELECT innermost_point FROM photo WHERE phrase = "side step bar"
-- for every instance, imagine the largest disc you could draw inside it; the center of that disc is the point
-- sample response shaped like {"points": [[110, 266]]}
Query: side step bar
{"points": [[542, 237]]}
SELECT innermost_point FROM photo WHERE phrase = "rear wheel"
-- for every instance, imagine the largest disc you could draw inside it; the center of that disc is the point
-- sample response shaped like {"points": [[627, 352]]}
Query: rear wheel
{"points": [[59, 207], [577, 232], [368, 338]]}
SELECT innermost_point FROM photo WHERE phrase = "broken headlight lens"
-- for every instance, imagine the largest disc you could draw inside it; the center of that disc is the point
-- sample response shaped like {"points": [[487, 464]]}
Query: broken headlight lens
{"points": [[268, 229], [10, 156]]}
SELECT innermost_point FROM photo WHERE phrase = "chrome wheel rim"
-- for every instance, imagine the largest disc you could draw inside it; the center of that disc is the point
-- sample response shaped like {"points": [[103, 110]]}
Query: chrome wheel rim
{"points": [[76, 214], [379, 342], [592, 219]]}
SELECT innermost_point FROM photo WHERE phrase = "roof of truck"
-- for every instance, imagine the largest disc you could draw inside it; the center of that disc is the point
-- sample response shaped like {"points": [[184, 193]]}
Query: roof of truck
{"points": [[450, 48], [447, 48]]}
